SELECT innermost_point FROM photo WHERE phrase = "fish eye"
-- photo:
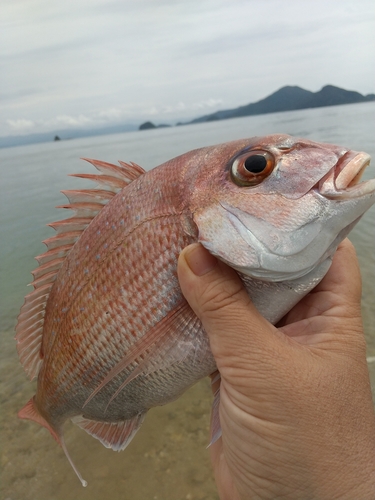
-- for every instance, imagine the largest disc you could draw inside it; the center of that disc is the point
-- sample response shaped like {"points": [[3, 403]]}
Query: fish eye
{"points": [[255, 164], [252, 168]]}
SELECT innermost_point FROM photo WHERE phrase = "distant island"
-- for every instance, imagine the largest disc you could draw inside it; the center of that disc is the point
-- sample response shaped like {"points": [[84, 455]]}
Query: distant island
{"points": [[290, 98], [150, 125]]}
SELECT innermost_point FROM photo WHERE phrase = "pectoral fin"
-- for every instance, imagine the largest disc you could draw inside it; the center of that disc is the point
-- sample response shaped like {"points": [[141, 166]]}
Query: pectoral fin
{"points": [[163, 345]]}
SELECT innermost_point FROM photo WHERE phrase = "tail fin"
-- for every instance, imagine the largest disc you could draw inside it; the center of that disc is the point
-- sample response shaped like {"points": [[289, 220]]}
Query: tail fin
{"points": [[30, 412]]}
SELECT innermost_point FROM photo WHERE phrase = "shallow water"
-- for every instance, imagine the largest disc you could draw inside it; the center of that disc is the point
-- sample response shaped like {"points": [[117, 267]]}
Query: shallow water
{"points": [[168, 457]]}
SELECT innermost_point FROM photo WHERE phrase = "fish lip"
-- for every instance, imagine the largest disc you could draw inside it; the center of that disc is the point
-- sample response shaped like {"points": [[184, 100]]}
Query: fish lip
{"points": [[343, 180]]}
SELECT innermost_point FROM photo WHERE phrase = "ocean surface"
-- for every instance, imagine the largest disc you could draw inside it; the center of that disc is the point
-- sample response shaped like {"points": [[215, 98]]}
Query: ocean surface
{"points": [[168, 458]]}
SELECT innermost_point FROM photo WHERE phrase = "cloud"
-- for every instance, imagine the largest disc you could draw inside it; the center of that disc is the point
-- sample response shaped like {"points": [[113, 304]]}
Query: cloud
{"points": [[172, 108], [182, 107], [21, 125], [209, 103], [94, 62], [72, 121], [110, 114]]}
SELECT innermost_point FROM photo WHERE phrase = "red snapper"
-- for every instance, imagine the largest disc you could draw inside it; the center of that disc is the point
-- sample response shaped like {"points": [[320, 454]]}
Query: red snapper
{"points": [[106, 329]]}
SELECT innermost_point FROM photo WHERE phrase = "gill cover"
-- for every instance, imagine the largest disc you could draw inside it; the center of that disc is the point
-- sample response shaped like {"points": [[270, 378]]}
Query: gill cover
{"points": [[270, 221]]}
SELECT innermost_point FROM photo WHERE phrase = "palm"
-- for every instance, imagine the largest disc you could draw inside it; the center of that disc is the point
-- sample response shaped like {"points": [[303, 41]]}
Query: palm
{"points": [[223, 476], [316, 323]]}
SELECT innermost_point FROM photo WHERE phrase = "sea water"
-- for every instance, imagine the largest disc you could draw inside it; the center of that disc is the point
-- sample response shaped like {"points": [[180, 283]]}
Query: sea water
{"points": [[168, 457]]}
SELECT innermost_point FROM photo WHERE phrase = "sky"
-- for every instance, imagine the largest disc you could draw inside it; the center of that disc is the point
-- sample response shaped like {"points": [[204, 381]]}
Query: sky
{"points": [[94, 63]]}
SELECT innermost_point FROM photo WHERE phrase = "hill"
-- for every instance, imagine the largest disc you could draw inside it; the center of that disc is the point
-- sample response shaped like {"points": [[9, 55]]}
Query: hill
{"points": [[290, 98], [285, 99]]}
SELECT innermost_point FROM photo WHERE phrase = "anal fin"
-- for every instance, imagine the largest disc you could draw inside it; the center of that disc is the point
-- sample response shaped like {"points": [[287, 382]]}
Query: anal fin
{"points": [[114, 435]]}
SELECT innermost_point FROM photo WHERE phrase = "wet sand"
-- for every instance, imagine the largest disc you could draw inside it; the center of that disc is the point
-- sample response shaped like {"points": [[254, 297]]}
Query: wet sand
{"points": [[167, 459]]}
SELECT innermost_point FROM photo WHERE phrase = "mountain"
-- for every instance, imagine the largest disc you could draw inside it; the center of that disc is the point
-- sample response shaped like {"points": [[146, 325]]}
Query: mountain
{"points": [[285, 99], [290, 98]]}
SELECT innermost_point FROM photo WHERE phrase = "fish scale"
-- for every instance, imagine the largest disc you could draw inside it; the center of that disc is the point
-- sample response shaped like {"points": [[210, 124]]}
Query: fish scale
{"points": [[107, 330], [140, 295]]}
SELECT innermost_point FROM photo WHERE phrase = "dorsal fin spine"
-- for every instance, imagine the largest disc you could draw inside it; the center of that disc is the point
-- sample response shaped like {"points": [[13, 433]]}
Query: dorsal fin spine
{"points": [[32, 320], [68, 238], [31, 309], [48, 267], [88, 195], [57, 252], [46, 279], [86, 203], [26, 333]]}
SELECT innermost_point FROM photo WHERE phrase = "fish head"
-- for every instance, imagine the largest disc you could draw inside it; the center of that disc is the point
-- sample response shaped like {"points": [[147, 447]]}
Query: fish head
{"points": [[274, 208]]}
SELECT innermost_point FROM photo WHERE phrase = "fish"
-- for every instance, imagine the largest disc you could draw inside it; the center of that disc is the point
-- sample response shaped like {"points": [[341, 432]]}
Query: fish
{"points": [[107, 331]]}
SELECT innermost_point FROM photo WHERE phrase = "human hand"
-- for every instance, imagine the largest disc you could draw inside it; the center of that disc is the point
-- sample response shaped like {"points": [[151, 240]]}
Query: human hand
{"points": [[296, 411]]}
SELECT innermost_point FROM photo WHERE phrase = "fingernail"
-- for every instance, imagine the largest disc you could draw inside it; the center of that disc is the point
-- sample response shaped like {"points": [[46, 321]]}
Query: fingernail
{"points": [[200, 260]]}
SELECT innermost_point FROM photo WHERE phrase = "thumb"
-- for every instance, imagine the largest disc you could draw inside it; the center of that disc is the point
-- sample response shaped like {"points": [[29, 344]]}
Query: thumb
{"points": [[217, 296]]}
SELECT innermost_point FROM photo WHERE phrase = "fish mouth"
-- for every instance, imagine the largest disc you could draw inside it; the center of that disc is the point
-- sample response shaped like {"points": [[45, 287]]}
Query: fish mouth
{"points": [[343, 180]]}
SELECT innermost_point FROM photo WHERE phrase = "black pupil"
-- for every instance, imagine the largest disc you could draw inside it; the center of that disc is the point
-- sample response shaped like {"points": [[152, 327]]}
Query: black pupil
{"points": [[255, 164]]}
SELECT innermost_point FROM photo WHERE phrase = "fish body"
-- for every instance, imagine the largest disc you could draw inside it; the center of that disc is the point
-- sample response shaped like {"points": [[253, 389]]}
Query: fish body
{"points": [[107, 330]]}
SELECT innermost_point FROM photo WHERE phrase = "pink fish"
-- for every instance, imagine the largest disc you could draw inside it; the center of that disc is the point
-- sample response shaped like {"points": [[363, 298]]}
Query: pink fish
{"points": [[106, 329]]}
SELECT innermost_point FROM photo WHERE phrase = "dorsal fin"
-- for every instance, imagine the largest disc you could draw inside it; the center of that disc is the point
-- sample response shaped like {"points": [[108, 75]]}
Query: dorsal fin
{"points": [[86, 203]]}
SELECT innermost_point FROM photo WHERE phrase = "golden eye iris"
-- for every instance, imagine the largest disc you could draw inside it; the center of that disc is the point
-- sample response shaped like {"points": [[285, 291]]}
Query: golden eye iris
{"points": [[252, 168]]}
